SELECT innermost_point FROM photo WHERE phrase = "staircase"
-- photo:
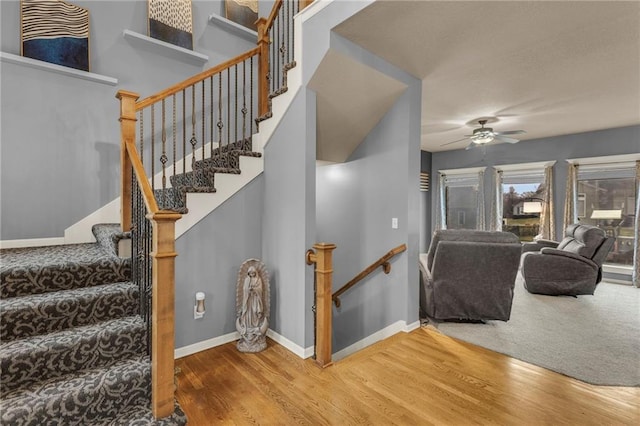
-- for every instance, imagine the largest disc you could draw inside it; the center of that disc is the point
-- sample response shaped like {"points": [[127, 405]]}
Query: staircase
{"points": [[74, 347]]}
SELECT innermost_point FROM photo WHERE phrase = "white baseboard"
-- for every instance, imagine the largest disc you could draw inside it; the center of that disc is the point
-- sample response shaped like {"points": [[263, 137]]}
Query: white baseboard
{"points": [[33, 242], [205, 344], [224, 339], [385, 333], [288, 344]]}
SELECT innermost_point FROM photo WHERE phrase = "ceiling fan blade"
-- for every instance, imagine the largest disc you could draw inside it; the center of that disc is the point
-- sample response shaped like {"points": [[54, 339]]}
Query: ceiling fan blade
{"points": [[510, 132], [471, 146], [459, 140], [506, 139]]}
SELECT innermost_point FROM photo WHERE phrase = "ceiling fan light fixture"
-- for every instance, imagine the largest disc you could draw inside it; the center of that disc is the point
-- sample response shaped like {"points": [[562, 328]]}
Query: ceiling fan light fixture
{"points": [[482, 137]]}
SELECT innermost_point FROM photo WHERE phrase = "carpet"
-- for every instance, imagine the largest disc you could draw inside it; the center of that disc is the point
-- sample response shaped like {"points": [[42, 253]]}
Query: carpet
{"points": [[595, 339]]}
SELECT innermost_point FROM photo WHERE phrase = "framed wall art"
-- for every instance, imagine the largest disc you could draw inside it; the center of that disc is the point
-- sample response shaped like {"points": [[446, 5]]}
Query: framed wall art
{"points": [[243, 12], [171, 21], [55, 31]]}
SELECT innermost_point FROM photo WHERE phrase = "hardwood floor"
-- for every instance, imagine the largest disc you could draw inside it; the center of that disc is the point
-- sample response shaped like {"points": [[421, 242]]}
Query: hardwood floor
{"points": [[417, 378]]}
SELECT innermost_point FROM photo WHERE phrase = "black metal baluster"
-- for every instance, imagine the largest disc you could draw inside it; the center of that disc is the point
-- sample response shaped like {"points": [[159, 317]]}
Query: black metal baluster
{"points": [[194, 140], [174, 134], [235, 105], [203, 120], [251, 121], [220, 123], [244, 100], [184, 131], [228, 117], [153, 148], [211, 114], [163, 157]]}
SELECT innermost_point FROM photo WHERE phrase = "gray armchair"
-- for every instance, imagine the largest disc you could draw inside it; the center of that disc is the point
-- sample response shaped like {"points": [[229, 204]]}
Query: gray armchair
{"points": [[570, 267], [469, 275]]}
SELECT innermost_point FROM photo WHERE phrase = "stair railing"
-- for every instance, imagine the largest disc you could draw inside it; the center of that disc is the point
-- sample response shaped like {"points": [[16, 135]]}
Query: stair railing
{"points": [[322, 257], [174, 142], [383, 261]]}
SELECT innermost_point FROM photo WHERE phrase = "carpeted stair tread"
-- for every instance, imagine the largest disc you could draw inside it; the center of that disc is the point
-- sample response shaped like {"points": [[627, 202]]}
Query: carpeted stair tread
{"points": [[171, 199], [90, 397], [227, 162], [34, 270], [194, 179], [38, 314], [108, 235], [142, 416], [27, 361]]}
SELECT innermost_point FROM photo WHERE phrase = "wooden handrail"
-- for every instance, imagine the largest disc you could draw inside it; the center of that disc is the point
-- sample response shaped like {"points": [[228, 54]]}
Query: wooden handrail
{"points": [[274, 13], [195, 79], [143, 182], [383, 261]]}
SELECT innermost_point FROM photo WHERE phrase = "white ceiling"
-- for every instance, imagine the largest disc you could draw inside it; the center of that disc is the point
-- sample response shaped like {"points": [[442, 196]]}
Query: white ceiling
{"points": [[547, 67]]}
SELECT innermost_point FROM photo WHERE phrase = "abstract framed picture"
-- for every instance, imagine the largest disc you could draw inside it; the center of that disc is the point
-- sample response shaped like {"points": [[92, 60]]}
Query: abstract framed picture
{"points": [[171, 21], [55, 31], [243, 12]]}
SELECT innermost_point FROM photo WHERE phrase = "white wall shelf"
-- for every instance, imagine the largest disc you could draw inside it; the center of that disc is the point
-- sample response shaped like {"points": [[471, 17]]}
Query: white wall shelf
{"points": [[164, 48], [55, 68], [233, 28]]}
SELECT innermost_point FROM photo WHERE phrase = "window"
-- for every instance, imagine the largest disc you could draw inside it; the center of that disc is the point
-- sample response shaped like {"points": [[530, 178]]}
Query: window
{"points": [[609, 203], [523, 195], [462, 207]]}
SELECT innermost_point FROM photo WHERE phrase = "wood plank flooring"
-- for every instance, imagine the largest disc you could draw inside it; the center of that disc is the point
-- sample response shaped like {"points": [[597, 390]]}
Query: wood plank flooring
{"points": [[417, 378]]}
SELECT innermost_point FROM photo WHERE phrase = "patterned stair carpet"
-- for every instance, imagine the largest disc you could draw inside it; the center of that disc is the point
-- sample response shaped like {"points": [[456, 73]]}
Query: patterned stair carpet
{"points": [[73, 347], [224, 159]]}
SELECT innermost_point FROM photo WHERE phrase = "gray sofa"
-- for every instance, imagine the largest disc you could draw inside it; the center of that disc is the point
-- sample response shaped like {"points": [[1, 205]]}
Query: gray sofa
{"points": [[570, 267], [469, 275]]}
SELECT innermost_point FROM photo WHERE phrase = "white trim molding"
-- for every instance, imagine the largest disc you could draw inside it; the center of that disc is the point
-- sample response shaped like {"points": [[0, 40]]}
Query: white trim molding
{"points": [[205, 344], [230, 337], [613, 161], [539, 165], [390, 330], [465, 171], [34, 242]]}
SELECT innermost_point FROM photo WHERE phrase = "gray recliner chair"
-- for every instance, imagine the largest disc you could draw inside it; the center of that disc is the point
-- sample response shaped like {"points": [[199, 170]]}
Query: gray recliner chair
{"points": [[469, 275], [570, 267]]}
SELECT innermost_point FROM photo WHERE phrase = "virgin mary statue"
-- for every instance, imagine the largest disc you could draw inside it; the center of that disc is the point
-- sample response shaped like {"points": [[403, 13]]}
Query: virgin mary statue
{"points": [[252, 306]]}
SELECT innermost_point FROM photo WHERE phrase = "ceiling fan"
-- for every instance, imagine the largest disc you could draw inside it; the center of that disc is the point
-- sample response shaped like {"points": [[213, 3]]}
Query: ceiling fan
{"points": [[484, 135]]}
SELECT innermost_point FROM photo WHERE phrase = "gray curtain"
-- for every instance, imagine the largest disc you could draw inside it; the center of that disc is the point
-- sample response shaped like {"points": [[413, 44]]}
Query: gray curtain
{"points": [[570, 199], [547, 220], [441, 222], [636, 250], [497, 207], [481, 223]]}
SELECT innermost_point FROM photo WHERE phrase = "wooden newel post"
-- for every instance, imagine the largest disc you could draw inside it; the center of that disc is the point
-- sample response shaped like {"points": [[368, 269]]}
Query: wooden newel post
{"points": [[263, 67], [324, 281], [127, 133], [162, 320]]}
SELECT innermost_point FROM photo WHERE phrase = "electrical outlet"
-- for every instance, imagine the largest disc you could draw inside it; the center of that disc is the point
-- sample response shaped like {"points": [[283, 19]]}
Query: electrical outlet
{"points": [[394, 222]]}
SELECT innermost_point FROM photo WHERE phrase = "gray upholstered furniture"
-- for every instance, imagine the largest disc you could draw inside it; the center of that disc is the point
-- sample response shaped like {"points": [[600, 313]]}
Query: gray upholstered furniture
{"points": [[469, 275], [570, 267]]}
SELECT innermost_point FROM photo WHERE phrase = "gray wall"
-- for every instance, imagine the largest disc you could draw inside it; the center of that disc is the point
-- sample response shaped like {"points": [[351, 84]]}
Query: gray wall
{"points": [[288, 222], [60, 135], [356, 202], [209, 257], [622, 140]]}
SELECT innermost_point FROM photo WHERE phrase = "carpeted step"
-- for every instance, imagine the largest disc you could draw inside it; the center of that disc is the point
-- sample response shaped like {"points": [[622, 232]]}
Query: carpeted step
{"points": [[90, 397], [24, 362], [142, 416], [39, 314], [228, 162], [108, 235], [34, 270], [194, 179]]}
